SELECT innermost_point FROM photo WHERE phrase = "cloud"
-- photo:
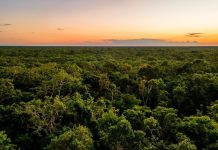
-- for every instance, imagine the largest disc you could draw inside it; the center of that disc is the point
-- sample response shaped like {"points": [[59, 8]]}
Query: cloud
{"points": [[194, 34], [140, 42], [6, 24], [60, 29]]}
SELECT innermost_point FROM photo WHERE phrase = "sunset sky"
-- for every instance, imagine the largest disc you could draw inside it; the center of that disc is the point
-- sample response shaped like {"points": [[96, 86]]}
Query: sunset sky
{"points": [[109, 22]]}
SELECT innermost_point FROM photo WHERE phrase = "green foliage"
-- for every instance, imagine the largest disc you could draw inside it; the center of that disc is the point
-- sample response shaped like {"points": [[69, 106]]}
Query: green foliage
{"points": [[78, 138], [43, 115], [202, 130], [144, 98], [119, 134], [126, 101], [8, 94], [136, 115], [5, 142], [213, 110], [77, 110], [186, 145]]}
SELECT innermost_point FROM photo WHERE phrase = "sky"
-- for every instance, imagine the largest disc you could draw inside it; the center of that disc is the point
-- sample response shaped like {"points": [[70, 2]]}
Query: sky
{"points": [[109, 22]]}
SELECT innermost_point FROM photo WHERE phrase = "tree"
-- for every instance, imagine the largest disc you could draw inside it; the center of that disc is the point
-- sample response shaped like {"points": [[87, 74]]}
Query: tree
{"points": [[72, 69], [186, 145], [126, 101], [155, 92], [213, 111], [179, 95], [151, 128], [78, 110], [148, 71], [8, 93], [61, 84], [168, 121], [139, 141], [136, 115], [108, 88], [126, 68], [78, 138], [5, 142], [98, 108], [202, 130], [142, 89], [43, 115], [117, 134], [203, 89]]}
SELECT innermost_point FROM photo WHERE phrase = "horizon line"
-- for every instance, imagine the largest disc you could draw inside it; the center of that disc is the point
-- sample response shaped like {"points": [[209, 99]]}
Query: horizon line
{"points": [[107, 46]]}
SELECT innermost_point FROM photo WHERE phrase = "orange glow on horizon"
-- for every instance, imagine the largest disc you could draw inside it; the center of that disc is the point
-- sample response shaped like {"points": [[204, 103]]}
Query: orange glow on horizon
{"points": [[52, 22], [67, 37]]}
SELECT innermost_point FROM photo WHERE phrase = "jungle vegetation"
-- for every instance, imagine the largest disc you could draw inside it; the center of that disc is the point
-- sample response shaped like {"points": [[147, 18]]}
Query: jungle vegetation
{"points": [[109, 98]]}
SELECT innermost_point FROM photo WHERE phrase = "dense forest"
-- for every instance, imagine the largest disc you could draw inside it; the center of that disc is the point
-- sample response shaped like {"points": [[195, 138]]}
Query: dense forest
{"points": [[109, 98]]}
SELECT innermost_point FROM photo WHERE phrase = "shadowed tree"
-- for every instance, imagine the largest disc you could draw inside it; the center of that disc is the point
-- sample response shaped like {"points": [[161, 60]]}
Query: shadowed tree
{"points": [[5, 142]]}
